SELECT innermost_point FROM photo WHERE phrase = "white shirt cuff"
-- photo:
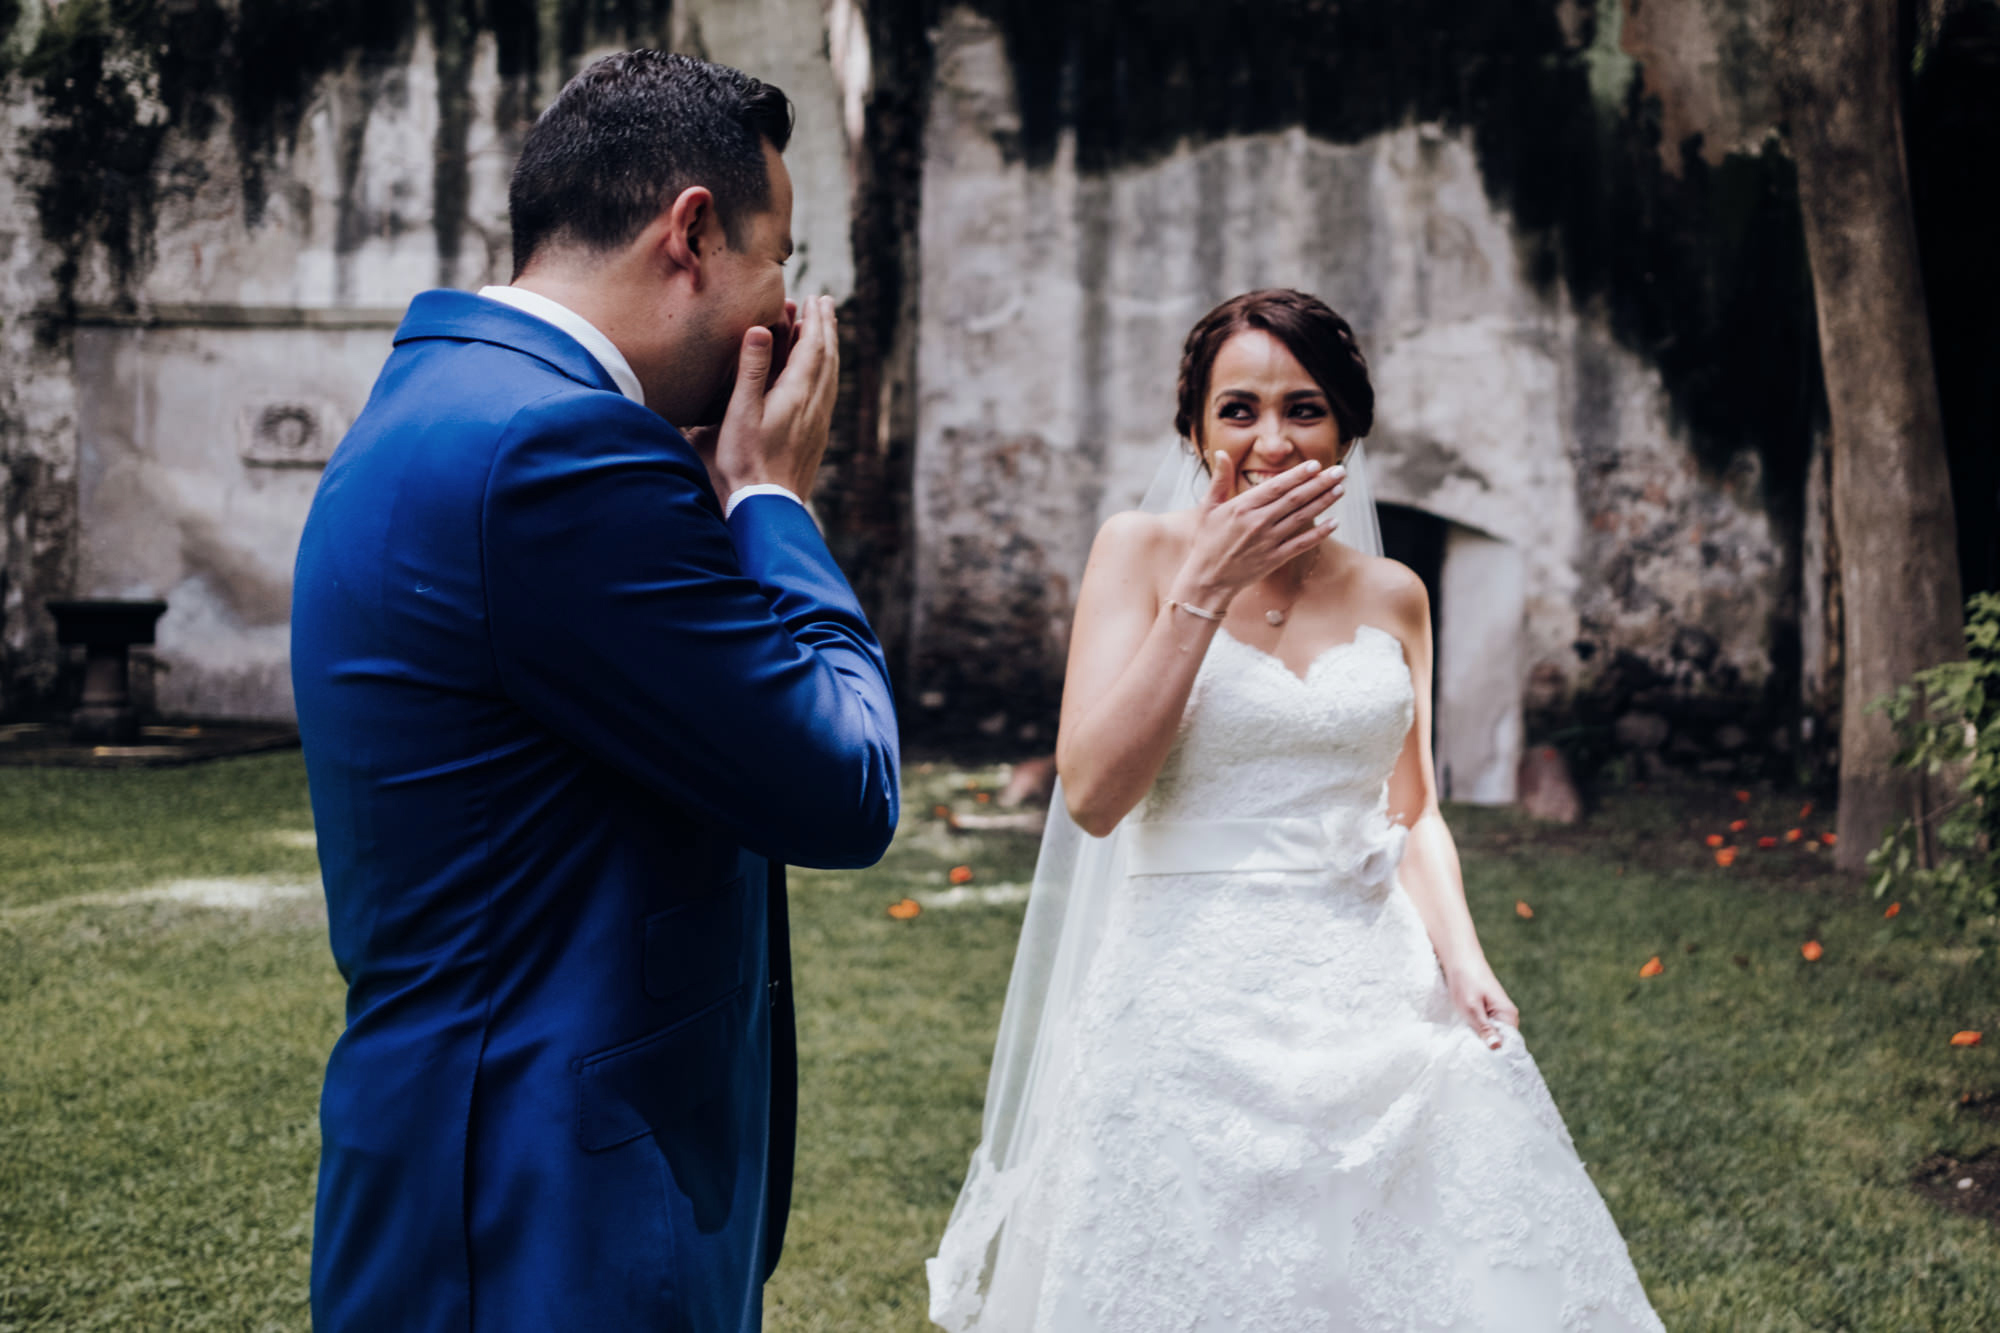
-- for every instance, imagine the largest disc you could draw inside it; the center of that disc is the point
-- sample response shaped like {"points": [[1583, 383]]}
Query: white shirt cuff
{"points": [[742, 493]]}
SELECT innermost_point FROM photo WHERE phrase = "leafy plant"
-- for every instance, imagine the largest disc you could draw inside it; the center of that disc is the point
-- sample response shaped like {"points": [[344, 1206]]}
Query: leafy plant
{"points": [[1948, 718]]}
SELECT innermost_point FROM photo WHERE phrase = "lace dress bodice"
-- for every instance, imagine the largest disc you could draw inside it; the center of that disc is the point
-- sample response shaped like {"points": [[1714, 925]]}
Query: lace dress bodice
{"points": [[1257, 741]]}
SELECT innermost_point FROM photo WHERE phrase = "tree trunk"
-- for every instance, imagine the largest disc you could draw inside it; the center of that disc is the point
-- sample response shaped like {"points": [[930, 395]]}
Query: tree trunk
{"points": [[863, 497], [1892, 507]]}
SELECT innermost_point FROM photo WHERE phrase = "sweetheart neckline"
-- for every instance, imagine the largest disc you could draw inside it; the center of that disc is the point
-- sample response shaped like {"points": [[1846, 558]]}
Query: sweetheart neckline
{"points": [[1321, 656]]}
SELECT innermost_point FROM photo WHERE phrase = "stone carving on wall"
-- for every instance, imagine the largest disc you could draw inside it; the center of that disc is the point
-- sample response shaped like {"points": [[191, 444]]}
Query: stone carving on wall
{"points": [[289, 433]]}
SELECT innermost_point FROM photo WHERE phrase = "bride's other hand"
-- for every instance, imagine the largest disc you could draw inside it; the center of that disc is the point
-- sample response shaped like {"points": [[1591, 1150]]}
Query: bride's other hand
{"points": [[1479, 996], [1241, 538]]}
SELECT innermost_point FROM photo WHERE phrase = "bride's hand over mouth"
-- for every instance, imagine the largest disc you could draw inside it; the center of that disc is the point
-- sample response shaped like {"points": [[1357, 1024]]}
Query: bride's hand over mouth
{"points": [[1241, 538]]}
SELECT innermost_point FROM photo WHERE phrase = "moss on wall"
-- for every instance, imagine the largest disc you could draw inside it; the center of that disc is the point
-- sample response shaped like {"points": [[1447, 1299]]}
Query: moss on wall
{"points": [[117, 78], [10, 18], [1702, 271], [1693, 258]]}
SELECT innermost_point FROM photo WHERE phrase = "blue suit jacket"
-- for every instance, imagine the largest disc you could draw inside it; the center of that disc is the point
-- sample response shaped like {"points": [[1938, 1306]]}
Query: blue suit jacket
{"points": [[560, 722]]}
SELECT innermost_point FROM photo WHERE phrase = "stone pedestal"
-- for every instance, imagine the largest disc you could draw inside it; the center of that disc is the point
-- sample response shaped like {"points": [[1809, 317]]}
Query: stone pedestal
{"points": [[107, 630]]}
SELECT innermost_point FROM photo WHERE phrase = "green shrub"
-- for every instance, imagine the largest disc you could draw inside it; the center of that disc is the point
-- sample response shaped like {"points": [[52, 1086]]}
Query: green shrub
{"points": [[1948, 718]]}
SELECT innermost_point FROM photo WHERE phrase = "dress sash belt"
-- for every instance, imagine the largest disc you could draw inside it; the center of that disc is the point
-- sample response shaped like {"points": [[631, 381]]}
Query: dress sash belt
{"points": [[1360, 843]]}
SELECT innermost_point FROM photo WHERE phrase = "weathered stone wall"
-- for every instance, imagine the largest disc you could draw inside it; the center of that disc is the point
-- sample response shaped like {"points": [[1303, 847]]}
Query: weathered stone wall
{"points": [[1561, 228], [214, 381], [178, 359], [1055, 299]]}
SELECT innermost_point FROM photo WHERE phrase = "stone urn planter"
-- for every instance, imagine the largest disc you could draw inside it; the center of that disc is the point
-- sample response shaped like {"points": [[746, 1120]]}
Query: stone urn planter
{"points": [[107, 629]]}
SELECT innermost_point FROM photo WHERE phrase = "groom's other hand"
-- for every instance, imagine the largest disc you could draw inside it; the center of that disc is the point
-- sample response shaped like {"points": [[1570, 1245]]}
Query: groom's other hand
{"points": [[774, 432]]}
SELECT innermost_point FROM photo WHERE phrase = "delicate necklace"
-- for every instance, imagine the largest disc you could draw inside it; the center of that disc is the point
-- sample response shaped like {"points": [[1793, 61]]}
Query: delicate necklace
{"points": [[1276, 615]]}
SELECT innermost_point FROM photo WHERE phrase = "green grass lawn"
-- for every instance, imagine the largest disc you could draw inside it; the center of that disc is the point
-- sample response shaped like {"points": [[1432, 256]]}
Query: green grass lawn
{"points": [[1753, 1119]]}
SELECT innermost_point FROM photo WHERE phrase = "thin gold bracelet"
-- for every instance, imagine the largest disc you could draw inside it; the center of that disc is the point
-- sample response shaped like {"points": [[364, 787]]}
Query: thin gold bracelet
{"points": [[1215, 616]]}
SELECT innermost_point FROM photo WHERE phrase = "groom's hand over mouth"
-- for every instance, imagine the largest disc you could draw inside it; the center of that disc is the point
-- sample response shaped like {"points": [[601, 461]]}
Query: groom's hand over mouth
{"points": [[784, 337], [774, 431]]}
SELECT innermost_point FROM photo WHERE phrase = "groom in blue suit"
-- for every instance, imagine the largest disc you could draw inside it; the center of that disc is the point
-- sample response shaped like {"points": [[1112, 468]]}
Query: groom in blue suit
{"points": [[574, 684]]}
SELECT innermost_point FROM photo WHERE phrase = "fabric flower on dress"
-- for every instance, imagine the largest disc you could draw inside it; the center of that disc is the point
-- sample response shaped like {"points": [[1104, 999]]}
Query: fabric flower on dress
{"points": [[1368, 849]]}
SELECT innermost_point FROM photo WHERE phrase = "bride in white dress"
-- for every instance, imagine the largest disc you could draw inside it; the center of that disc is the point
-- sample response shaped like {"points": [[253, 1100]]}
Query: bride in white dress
{"points": [[1254, 1072]]}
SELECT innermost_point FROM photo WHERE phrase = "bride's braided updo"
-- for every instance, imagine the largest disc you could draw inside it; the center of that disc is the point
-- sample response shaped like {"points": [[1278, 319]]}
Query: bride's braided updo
{"points": [[1309, 329]]}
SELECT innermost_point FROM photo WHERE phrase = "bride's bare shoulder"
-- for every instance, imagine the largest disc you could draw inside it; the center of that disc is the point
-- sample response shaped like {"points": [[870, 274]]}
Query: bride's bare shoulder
{"points": [[1391, 589], [1136, 537]]}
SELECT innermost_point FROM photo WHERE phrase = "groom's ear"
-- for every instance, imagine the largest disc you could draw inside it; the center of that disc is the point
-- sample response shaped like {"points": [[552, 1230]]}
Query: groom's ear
{"points": [[687, 232]]}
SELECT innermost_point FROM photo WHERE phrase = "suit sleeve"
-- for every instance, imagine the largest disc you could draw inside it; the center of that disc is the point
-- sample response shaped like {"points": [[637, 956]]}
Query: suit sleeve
{"points": [[727, 667]]}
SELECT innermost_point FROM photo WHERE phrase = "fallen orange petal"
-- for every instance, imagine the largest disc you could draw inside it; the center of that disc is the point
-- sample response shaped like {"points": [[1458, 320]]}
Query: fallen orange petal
{"points": [[1892, 909], [961, 874], [1811, 950], [1716, 839], [983, 797], [1767, 843], [1793, 834], [905, 910], [1805, 811], [1738, 825], [1652, 967], [941, 811], [1965, 1038], [1743, 797], [1525, 912], [1829, 838], [1726, 857]]}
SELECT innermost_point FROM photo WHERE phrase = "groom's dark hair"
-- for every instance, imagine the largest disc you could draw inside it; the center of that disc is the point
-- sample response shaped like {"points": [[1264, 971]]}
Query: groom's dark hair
{"points": [[627, 135]]}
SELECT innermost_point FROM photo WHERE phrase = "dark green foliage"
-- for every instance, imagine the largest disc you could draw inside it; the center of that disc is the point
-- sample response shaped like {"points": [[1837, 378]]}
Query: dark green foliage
{"points": [[1949, 720]]}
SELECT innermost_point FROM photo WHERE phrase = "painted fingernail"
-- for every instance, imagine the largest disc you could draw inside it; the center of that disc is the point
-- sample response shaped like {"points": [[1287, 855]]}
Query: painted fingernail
{"points": [[1312, 466]]}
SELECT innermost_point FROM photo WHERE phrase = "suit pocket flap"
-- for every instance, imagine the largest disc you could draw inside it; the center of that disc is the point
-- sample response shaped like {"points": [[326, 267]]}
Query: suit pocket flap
{"points": [[660, 1081], [694, 952]]}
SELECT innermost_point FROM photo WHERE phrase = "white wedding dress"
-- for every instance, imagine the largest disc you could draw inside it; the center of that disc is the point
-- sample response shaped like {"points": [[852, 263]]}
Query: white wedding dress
{"points": [[1267, 1115]]}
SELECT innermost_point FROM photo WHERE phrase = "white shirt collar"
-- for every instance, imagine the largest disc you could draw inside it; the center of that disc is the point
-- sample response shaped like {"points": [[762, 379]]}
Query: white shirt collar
{"points": [[576, 326]]}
